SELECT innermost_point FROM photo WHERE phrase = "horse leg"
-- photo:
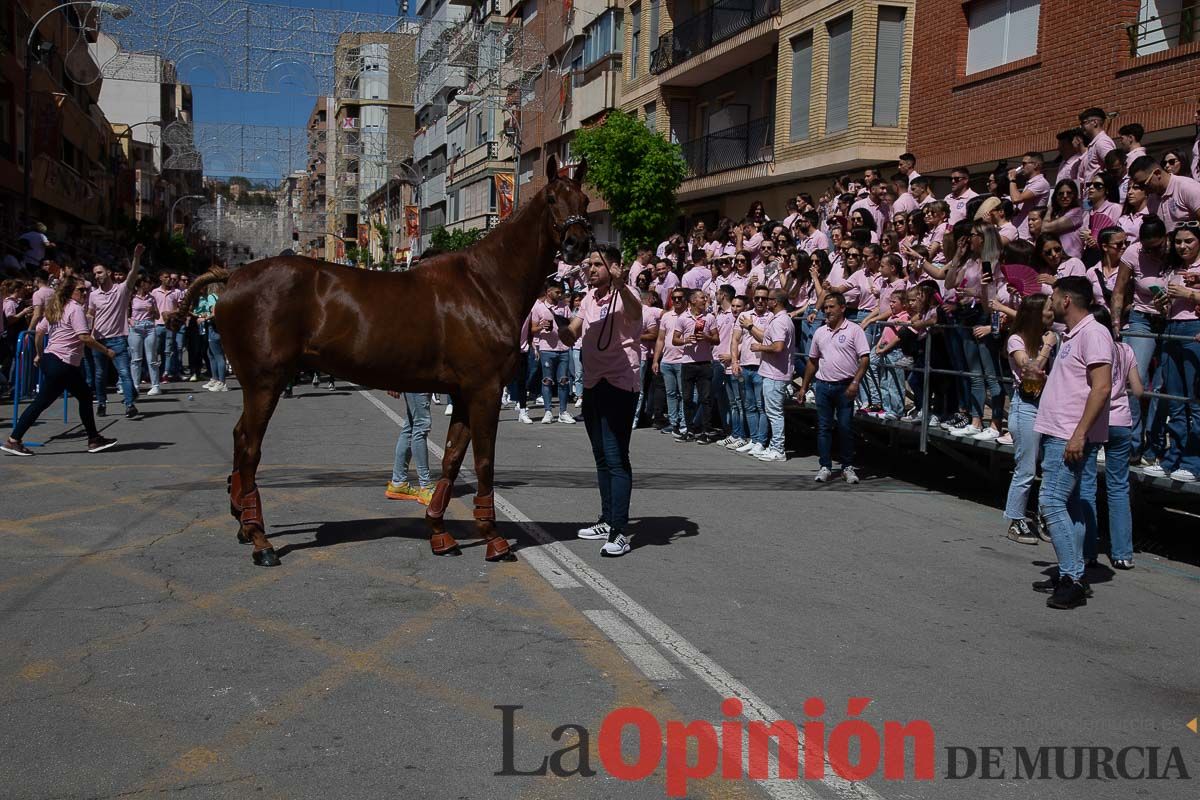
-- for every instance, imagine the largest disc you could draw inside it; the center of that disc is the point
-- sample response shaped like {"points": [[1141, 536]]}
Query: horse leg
{"points": [[258, 405], [441, 542], [484, 409], [234, 482]]}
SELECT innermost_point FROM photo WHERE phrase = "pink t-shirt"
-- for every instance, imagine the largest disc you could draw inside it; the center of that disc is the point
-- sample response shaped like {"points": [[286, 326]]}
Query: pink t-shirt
{"points": [[696, 277], [40, 295], [701, 350], [839, 350], [1095, 275], [618, 363], [814, 241], [666, 324], [878, 211], [1071, 244], [746, 356], [64, 335], [725, 325], [110, 310], [904, 204], [1093, 160], [650, 318], [864, 288], [664, 287], [889, 289], [1041, 190], [778, 366], [1015, 344], [1149, 270], [1181, 308], [1069, 169], [1066, 392], [1132, 224], [548, 340], [1180, 201], [889, 334], [636, 269], [1124, 362], [167, 301], [958, 205], [739, 283], [142, 309]]}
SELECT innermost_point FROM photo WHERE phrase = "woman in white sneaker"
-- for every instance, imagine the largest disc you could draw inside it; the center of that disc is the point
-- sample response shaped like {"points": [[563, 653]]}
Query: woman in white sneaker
{"points": [[216, 354], [143, 344]]}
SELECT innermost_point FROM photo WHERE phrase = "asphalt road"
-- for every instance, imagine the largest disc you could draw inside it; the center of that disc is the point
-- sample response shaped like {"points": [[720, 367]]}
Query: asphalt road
{"points": [[145, 654]]}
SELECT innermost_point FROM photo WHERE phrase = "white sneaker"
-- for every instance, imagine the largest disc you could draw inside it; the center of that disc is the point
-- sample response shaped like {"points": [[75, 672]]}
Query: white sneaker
{"points": [[579, 402], [448, 412], [540, 402], [617, 545], [734, 444], [1006, 439], [548, 417], [154, 391], [523, 417], [437, 400], [756, 451], [969, 430], [989, 434], [220, 387], [566, 418], [724, 442], [1183, 476], [504, 399], [770, 454], [933, 420], [810, 397], [598, 531], [850, 475], [1155, 471], [823, 475], [209, 385], [744, 447]]}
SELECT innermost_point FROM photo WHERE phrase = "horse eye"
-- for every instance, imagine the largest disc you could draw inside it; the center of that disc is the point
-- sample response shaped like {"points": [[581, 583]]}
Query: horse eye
{"points": [[551, 199]]}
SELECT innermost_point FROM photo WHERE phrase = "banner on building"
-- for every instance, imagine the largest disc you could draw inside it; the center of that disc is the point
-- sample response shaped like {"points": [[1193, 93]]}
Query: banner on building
{"points": [[364, 235], [504, 194], [412, 221]]}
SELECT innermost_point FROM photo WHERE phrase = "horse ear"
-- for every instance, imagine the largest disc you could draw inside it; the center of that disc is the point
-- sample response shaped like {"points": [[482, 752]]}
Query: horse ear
{"points": [[551, 169], [581, 173]]}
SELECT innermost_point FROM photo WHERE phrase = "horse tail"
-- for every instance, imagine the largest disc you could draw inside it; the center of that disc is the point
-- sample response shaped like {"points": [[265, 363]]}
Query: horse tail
{"points": [[176, 318]]}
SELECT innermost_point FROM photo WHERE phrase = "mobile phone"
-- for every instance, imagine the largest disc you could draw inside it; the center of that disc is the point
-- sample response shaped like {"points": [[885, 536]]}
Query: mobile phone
{"points": [[1157, 291], [987, 268]]}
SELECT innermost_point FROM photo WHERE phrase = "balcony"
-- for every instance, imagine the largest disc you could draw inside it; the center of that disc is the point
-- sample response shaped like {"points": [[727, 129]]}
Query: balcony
{"points": [[468, 160], [731, 148], [1163, 32], [433, 190], [591, 99], [430, 140], [722, 21]]}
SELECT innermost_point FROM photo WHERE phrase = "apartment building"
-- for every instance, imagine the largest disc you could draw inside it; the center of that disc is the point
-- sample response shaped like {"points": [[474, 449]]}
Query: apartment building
{"points": [[769, 97], [314, 193], [1015, 72]]}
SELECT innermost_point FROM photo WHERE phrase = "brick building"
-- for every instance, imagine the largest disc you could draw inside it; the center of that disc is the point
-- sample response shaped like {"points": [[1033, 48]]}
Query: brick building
{"points": [[1002, 77]]}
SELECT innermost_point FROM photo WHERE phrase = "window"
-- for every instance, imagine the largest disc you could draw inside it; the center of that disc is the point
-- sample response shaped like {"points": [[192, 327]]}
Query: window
{"points": [[654, 8], [481, 131], [603, 36], [529, 10], [1000, 32], [492, 195], [801, 84], [1163, 24], [889, 57], [837, 95], [635, 40], [651, 116]]}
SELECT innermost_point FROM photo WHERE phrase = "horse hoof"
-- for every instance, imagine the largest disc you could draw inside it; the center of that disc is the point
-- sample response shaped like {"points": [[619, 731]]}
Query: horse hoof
{"points": [[497, 550], [243, 538], [266, 558]]}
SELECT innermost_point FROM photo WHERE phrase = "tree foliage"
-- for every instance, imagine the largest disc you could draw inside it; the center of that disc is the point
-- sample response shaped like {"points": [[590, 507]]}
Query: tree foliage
{"points": [[637, 172], [449, 241]]}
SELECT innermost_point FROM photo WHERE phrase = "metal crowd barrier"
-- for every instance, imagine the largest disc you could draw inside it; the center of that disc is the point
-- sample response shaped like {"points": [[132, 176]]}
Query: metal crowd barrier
{"points": [[25, 378]]}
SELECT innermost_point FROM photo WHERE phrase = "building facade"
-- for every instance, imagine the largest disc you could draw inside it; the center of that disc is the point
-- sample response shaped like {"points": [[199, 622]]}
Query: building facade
{"points": [[314, 230]]}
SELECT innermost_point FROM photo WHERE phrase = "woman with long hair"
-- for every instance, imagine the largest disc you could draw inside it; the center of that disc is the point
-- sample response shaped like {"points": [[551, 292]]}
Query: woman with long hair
{"points": [[861, 219], [143, 344], [1065, 217], [1052, 262], [1175, 162], [1134, 212], [216, 354], [62, 334], [1029, 348], [1112, 242]]}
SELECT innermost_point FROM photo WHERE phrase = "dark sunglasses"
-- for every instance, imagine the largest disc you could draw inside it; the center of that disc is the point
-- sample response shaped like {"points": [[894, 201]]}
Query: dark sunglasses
{"points": [[1052, 251], [1096, 185], [677, 298], [1170, 160], [758, 299]]}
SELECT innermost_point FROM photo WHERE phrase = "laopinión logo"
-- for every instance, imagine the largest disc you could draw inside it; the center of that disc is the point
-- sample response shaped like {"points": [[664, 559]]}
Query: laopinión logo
{"points": [[852, 749]]}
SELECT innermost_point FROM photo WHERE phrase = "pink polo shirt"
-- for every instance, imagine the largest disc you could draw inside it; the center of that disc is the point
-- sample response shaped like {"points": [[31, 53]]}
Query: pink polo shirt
{"points": [[670, 354], [1066, 392], [813, 242], [1015, 344], [618, 363], [778, 366], [664, 287], [1093, 160], [548, 340], [1041, 190], [636, 269], [1100, 283], [167, 301], [142, 309], [746, 356], [958, 205], [696, 277], [1071, 244], [889, 289], [64, 335], [838, 350], [877, 210], [1148, 270], [904, 204], [110, 310], [701, 351], [1180, 201], [864, 289], [1132, 224], [1182, 308], [1124, 362], [725, 325], [650, 318], [1069, 169], [40, 295], [739, 282]]}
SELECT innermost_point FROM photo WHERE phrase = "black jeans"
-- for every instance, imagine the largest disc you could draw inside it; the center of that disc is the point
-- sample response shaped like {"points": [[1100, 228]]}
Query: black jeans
{"points": [[58, 375], [608, 417], [697, 384]]}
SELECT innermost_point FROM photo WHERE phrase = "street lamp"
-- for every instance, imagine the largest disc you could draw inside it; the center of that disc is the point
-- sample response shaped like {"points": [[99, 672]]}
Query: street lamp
{"points": [[116, 11]]}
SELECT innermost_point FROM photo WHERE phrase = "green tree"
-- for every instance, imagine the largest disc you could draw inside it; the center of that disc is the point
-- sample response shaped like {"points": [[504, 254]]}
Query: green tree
{"points": [[449, 241], [385, 244], [637, 172]]}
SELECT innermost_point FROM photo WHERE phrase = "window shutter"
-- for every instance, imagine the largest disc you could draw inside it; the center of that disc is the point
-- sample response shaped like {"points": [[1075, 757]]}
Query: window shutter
{"points": [[837, 97], [801, 85], [1022, 29], [889, 57], [987, 22]]}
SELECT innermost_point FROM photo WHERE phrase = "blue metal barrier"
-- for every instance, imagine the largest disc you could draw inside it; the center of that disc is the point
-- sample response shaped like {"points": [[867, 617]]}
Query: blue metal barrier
{"points": [[25, 377]]}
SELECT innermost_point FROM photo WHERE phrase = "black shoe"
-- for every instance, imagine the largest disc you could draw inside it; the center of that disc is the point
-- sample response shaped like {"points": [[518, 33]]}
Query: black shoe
{"points": [[683, 436], [1122, 563], [99, 443], [1067, 595], [287, 392], [666, 429], [1050, 584], [706, 438], [101, 411], [132, 413]]}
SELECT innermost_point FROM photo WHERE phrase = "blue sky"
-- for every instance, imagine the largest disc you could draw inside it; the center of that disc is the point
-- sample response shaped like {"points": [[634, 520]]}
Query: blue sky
{"points": [[221, 105]]}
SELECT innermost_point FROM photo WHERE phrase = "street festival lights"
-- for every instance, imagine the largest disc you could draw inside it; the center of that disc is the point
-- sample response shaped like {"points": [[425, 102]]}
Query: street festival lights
{"points": [[116, 11]]}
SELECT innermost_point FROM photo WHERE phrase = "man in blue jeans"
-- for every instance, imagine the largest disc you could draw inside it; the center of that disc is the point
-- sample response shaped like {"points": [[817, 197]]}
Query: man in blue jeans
{"points": [[1073, 421], [837, 360], [413, 444], [775, 340], [108, 305]]}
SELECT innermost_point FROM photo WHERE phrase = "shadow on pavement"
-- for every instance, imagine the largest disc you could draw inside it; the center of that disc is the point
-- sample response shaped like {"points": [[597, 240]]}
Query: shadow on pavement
{"points": [[643, 531], [356, 530]]}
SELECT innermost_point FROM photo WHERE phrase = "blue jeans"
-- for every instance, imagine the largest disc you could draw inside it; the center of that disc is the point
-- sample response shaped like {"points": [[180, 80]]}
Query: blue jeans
{"points": [[752, 403], [1117, 452], [774, 393], [673, 383], [414, 435], [637, 411], [1181, 368], [1150, 427], [608, 417], [143, 345], [169, 345], [735, 387], [577, 372], [804, 341], [556, 367], [120, 347], [1026, 441], [833, 407], [216, 355], [884, 381], [1070, 518], [981, 363]]}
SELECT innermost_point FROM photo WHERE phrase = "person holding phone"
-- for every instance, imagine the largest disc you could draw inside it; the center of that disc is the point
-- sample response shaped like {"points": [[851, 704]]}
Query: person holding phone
{"points": [[695, 334]]}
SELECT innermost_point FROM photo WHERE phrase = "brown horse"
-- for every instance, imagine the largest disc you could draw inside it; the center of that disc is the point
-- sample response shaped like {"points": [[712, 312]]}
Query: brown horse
{"points": [[452, 326]]}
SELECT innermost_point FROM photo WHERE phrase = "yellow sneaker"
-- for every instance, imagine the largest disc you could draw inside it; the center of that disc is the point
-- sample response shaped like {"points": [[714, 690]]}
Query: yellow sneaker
{"points": [[424, 494], [400, 491]]}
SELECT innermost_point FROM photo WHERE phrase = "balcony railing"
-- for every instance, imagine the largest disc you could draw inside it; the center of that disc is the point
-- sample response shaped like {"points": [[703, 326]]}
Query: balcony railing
{"points": [[721, 21], [739, 146], [1162, 33]]}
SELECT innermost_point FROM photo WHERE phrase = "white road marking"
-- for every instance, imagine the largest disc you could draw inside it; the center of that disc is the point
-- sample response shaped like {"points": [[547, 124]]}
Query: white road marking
{"points": [[550, 569], [709, 671], [633, 645]]}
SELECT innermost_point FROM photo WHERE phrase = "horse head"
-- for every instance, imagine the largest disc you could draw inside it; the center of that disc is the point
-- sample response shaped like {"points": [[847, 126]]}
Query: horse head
{"points": [[567, 206]]}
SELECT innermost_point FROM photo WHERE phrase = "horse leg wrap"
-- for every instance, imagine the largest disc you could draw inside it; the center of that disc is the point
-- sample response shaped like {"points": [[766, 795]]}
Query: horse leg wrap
{"points": [[443, 544], [251, 516], [485, 508], [440, 499], [234, 487]]}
